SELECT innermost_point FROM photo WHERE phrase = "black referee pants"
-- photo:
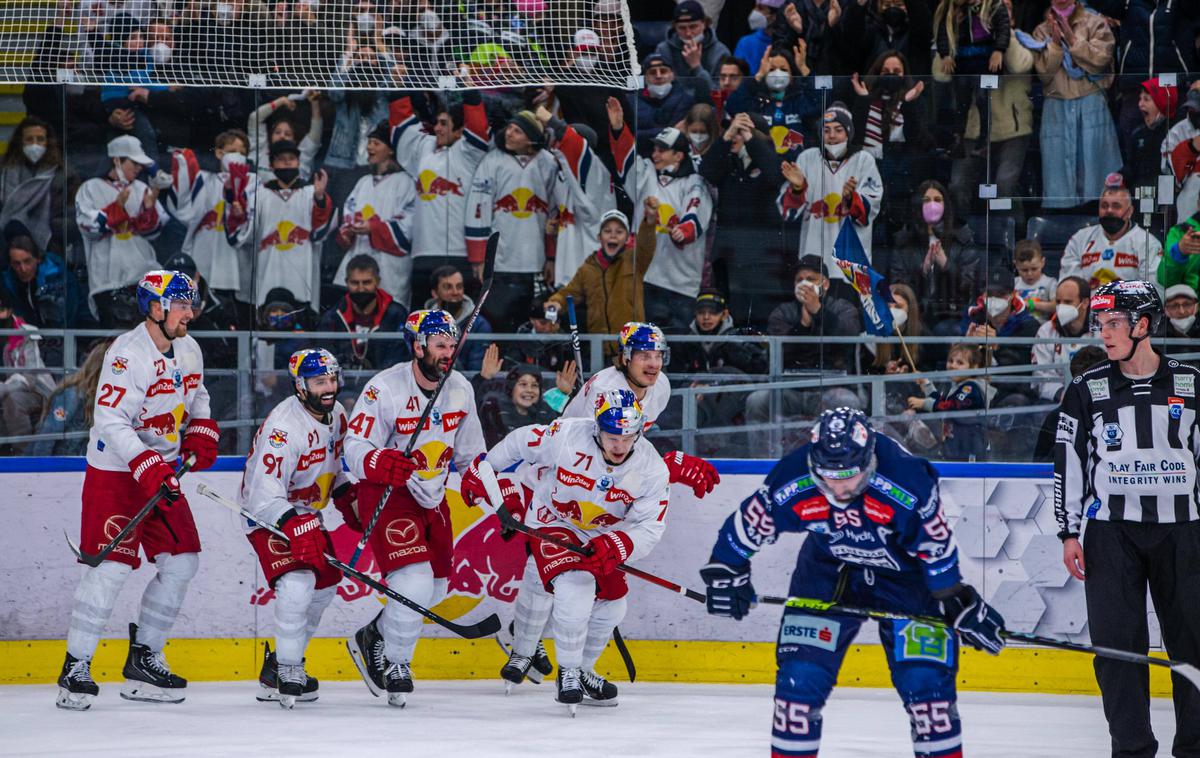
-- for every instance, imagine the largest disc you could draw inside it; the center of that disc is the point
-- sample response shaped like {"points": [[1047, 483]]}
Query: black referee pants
{"points": [[1122, 560]]}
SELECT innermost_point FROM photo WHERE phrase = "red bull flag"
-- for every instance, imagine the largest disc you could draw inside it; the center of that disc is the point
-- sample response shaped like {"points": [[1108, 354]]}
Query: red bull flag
{"points": [[871, 286]]}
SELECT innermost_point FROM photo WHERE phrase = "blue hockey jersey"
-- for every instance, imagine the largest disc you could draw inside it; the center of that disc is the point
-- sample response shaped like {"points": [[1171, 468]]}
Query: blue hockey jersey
{"points": [[896, 525]]}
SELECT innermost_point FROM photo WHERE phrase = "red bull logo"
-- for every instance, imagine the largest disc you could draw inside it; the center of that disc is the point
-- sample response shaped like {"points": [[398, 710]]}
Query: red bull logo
{"points": [[668, 219], [786, 139], [154, 282], [371, 394], [585, 515], [284, 236], [164, 425], [829, 208], [521, 203], [214, 218], [277, 438], [432, 458], [431, 186], [119, 365]]}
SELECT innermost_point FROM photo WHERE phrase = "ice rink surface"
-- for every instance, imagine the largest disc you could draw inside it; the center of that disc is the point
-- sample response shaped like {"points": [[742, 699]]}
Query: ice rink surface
{"points": [[476, 720]]}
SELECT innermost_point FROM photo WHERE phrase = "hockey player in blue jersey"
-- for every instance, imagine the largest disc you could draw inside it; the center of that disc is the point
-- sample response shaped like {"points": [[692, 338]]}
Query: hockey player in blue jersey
{"points": [[876, 538]]}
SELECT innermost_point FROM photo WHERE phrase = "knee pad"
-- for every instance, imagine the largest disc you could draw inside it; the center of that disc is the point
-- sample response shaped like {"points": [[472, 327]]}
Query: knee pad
{"points": [[574, 595], [415, 582], [294, 592], [177, 568], [805, 681], [608, 612]]}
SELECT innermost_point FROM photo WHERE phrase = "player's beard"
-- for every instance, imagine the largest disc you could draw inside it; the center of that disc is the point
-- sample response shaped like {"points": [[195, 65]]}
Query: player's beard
{"points": [[322, 404], [431, 368]]}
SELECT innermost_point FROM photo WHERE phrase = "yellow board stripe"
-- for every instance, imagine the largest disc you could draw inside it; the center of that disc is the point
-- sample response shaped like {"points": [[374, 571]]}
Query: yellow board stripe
{"points": [[1015, 670]]}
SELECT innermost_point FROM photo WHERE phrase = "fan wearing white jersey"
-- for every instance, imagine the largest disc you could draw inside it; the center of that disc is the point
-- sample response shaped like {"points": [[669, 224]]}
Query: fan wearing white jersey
{"points": [[413, 541], [605, 488], [292, 471], [151, 408]]}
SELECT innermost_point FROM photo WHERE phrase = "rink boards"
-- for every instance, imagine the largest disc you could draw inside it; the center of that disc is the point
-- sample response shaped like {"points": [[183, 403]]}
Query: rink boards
{"points": [[1002, 515]]}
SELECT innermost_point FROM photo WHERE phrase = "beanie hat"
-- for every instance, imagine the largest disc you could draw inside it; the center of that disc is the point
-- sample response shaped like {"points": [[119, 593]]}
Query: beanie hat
{"points": [[382, 133], [528, 123], [838, 113], [1166, 99]]}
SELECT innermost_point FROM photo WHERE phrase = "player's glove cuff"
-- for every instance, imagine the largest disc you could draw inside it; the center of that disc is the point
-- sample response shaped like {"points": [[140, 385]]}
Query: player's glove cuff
{"points": [[729, 591]]}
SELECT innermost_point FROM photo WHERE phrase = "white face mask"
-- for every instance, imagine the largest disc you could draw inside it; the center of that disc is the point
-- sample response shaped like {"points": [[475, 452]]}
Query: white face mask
{"points": [[899, 316], [585, 63], [835, 151], [698, 139], [1183, 324], [1066, 314], [659, 90], [803, 285], [161, 53], [313, 5], [430, 22], [757, 20], [777, 80], [996, 305], [33, 153], [366, 23], [228, 159], [224, 11]]}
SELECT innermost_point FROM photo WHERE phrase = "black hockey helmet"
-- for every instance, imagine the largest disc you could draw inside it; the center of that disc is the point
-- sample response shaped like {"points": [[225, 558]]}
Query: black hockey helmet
{"points": [[1133, 297]]}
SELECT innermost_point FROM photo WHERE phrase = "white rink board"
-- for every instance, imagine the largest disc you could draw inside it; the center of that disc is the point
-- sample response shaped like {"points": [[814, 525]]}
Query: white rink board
{"points": [[1004, 527]]}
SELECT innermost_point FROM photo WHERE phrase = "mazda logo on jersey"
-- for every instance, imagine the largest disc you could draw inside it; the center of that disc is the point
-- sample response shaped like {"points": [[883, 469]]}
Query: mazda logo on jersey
{"points": [[401, 532]]}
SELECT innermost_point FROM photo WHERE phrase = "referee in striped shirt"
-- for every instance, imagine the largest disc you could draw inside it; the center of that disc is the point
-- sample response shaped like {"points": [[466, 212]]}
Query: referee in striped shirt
{"points": [[1125, 459]]}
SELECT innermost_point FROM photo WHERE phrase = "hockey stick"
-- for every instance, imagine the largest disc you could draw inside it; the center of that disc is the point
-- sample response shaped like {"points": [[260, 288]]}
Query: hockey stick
{"points": [[139, 517], [493, 242], [1187, 671], [574, 326], [484, 628]]}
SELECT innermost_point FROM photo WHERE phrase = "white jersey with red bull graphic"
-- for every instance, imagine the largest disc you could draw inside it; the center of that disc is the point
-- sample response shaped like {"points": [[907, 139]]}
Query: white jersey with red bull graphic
{"points": [[820, 205], [584, 403], [511, 194], [144, 399], [582, 193], [387, 413], [1089, 254], [287, 223], [581, 491], [387, 203], [443, 176], [219, 245], [116, 238], [295, 462], [684, 202]]}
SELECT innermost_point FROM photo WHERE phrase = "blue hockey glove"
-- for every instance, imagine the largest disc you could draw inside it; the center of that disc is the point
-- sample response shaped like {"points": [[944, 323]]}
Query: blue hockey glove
{"points": [[729, 590], [978, 624]]}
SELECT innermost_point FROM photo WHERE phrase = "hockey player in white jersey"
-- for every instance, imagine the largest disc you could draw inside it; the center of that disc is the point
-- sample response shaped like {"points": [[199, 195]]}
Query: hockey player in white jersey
{"points": [[218, 210], [293, 470], [151, 408], [377, 219], [605, 488], [413, 541]]}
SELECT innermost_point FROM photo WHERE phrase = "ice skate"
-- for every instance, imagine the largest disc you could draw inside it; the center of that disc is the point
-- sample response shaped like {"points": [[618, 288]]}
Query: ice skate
{"points": [[366, 650], [292, 681], [570, 688], [541, 667], [76, 688], [597, 690], [268, 681], [399, 681], [514, 671], [148, 678]]}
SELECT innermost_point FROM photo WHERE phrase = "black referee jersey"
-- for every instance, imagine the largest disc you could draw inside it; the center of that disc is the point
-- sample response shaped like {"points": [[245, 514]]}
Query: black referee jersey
{"points": [[1126, 449]]}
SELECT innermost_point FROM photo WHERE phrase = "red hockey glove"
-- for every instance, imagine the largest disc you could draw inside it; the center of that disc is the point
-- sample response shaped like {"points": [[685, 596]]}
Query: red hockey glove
{"points": [[152, 475], [607, 551], [345, 499], [305, 537], [200, 439], [696, 473], [388, 467], [471, 488], [514, 497]]}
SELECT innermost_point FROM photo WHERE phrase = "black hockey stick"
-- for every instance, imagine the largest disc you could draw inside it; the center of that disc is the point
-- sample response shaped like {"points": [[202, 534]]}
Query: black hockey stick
{"points": [[493, 242], [574, 326], [619, 641], [139, 517], [484, 628], [1187, 671]]}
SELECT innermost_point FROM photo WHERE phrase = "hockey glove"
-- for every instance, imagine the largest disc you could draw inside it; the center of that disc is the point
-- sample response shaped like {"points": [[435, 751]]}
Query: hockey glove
{"points": [[695, 472], [978, 624], [608, 550], [200, 439], [345, 499], [305, 537], [388, 467], [153, 475], [730, 592], [471, 488]]}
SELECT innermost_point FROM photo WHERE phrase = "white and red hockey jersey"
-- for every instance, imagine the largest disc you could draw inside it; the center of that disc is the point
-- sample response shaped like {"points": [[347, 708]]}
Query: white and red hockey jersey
{"points": [[216, 240], [287, 223], [1180, 160], [386, 414], [442, 174], [611, 378], [583, 193], [295, 462], [144, 399], [511, 194], [582, 492], [1090, 254], [820, 205], [387, 203], [116, 238], [684, 202]]}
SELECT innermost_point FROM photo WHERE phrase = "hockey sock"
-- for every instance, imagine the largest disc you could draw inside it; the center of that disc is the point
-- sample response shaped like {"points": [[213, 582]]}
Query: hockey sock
{"points": [[606, 614], [293, 598], [95, 597], [532, 611], [316, 608], [574, 595], [400, 626], [163, 596]]}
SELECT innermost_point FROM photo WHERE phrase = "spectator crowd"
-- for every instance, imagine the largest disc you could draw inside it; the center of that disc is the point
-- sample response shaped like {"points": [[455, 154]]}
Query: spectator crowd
{"points": [[995, 161]]}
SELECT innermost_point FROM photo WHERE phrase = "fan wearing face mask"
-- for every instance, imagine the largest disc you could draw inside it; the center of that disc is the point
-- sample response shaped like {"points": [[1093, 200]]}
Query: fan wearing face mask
{"points": [[1116, 248], [365, 308], [751, 47], [34, 157], [1181, 315], [665, 99], [998, 312], [781, 93], [691, 47], [1070, 321]]}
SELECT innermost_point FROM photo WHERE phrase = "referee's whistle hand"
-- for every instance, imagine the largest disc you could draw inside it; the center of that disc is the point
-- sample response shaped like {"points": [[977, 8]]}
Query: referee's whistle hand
{"points": [[1073, 558]]}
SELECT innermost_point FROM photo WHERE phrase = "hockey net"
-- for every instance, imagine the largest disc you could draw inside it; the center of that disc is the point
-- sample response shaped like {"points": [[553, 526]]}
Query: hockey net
{"points": [[346, 44]]}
